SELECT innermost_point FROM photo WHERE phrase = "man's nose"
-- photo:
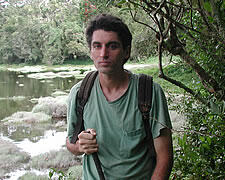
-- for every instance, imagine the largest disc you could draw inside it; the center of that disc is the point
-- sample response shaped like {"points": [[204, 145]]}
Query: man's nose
{"points": [[104, 51]]}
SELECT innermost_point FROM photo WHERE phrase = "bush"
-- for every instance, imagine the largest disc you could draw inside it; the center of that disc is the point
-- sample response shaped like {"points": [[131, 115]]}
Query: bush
{"points": [[200, 150]]}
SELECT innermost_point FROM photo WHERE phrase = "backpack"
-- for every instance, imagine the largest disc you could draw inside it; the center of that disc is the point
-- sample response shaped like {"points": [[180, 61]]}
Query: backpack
{"points": [[144, 105]]}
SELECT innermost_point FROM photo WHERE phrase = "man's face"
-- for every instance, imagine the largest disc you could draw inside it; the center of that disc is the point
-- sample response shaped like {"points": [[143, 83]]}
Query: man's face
{"points": [[107, 52]]}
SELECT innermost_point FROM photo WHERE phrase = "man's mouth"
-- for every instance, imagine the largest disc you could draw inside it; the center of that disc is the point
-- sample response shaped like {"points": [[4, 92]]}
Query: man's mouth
{"points": [[104, 62]]}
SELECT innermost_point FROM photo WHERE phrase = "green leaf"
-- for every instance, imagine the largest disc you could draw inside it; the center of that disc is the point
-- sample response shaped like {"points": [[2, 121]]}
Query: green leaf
{"points": [[125, 9], [223, 6], [50, 174], [209, 140], [110, 2], [207, 6], [202, 138], [214, 107], [121, 2], [211, 19], [206, 146]]}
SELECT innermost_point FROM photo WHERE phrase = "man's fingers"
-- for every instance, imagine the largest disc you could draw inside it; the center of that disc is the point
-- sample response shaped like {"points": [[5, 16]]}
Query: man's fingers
{"points": [[88, 134], [91, 131], [87, 146], [87, 141]]}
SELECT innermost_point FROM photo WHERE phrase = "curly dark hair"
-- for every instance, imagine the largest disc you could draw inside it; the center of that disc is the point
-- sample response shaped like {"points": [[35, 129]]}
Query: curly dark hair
{"points": [[108, 22]]}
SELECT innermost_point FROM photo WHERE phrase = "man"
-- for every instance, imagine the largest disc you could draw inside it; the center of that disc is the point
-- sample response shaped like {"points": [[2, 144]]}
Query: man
{"points": [[113, 123]]}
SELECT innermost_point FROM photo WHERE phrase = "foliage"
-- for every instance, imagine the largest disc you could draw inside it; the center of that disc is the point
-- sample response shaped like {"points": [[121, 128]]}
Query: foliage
{"points": [[60, 174], [179, 72], [53, 32], [47, 34], [200, 149], [74, 173], [193, 30]]}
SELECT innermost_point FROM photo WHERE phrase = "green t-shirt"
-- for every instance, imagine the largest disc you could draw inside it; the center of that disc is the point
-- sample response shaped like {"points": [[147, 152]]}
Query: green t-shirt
{"points": [[120, 131]]}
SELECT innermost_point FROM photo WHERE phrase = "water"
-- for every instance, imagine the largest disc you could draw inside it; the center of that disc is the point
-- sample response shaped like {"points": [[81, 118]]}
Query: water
{"points": [[51, 140], [20, 92], [17, 90]]}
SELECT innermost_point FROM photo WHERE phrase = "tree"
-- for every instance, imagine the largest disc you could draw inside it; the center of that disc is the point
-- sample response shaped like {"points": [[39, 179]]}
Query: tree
{"points": [[191, 29], [41, 32]]}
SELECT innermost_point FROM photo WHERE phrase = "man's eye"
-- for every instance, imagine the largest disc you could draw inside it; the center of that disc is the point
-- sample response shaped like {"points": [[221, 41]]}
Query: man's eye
{"points": [[97, 46], [113, 46]]}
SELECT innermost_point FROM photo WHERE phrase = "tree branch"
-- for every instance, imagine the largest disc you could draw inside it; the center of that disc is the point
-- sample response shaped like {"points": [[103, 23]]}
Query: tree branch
{"points": [[174, 46], [203, 75], [177, 83], [133, 17]]}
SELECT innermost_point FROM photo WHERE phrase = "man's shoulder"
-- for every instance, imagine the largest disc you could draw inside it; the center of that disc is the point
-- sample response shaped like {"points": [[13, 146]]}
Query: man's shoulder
{"points": [[76, 87], [156, 86], [74, 90]]}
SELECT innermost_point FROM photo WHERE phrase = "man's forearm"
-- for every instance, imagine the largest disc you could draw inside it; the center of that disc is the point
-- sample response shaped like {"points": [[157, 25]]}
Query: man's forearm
{"points": [[163, 168], [164, 155]]}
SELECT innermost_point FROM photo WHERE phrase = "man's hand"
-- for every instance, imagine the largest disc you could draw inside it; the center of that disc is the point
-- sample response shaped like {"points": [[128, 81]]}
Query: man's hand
{"points": [[86, 143]]}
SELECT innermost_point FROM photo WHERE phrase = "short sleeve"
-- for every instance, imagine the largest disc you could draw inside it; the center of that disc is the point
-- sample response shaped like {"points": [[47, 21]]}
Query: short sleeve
{"points": [[71, 112], [160, 117]]}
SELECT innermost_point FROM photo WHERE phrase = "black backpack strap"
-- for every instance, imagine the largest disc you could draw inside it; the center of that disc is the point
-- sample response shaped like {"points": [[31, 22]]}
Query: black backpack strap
{"points": [[145, 88], [81, 100]]}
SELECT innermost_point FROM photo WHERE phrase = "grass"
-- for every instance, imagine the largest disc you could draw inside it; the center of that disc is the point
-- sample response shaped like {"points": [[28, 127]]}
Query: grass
{"points": [[57, 162], [150, 60], [175, 71]]}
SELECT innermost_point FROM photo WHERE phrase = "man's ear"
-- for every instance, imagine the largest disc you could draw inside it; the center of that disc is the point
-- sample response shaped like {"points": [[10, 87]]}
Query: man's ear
{"points": [[90, 54], [127, 53]]}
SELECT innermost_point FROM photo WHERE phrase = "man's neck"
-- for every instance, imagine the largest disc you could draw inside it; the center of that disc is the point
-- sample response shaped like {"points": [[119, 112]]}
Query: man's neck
{"points": [[114, 85]]}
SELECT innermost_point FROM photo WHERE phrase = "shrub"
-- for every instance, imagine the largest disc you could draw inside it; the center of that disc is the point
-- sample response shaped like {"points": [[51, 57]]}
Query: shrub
{"points": [[200, 150]]}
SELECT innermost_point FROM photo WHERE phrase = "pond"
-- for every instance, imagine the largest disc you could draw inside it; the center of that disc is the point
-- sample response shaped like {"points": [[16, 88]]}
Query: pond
{"points": [[21, 92], [17, 90]]}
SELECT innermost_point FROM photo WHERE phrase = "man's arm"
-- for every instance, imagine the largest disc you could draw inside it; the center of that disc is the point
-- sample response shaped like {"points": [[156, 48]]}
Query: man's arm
{"points": [[164, 155], [86, 143]]}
